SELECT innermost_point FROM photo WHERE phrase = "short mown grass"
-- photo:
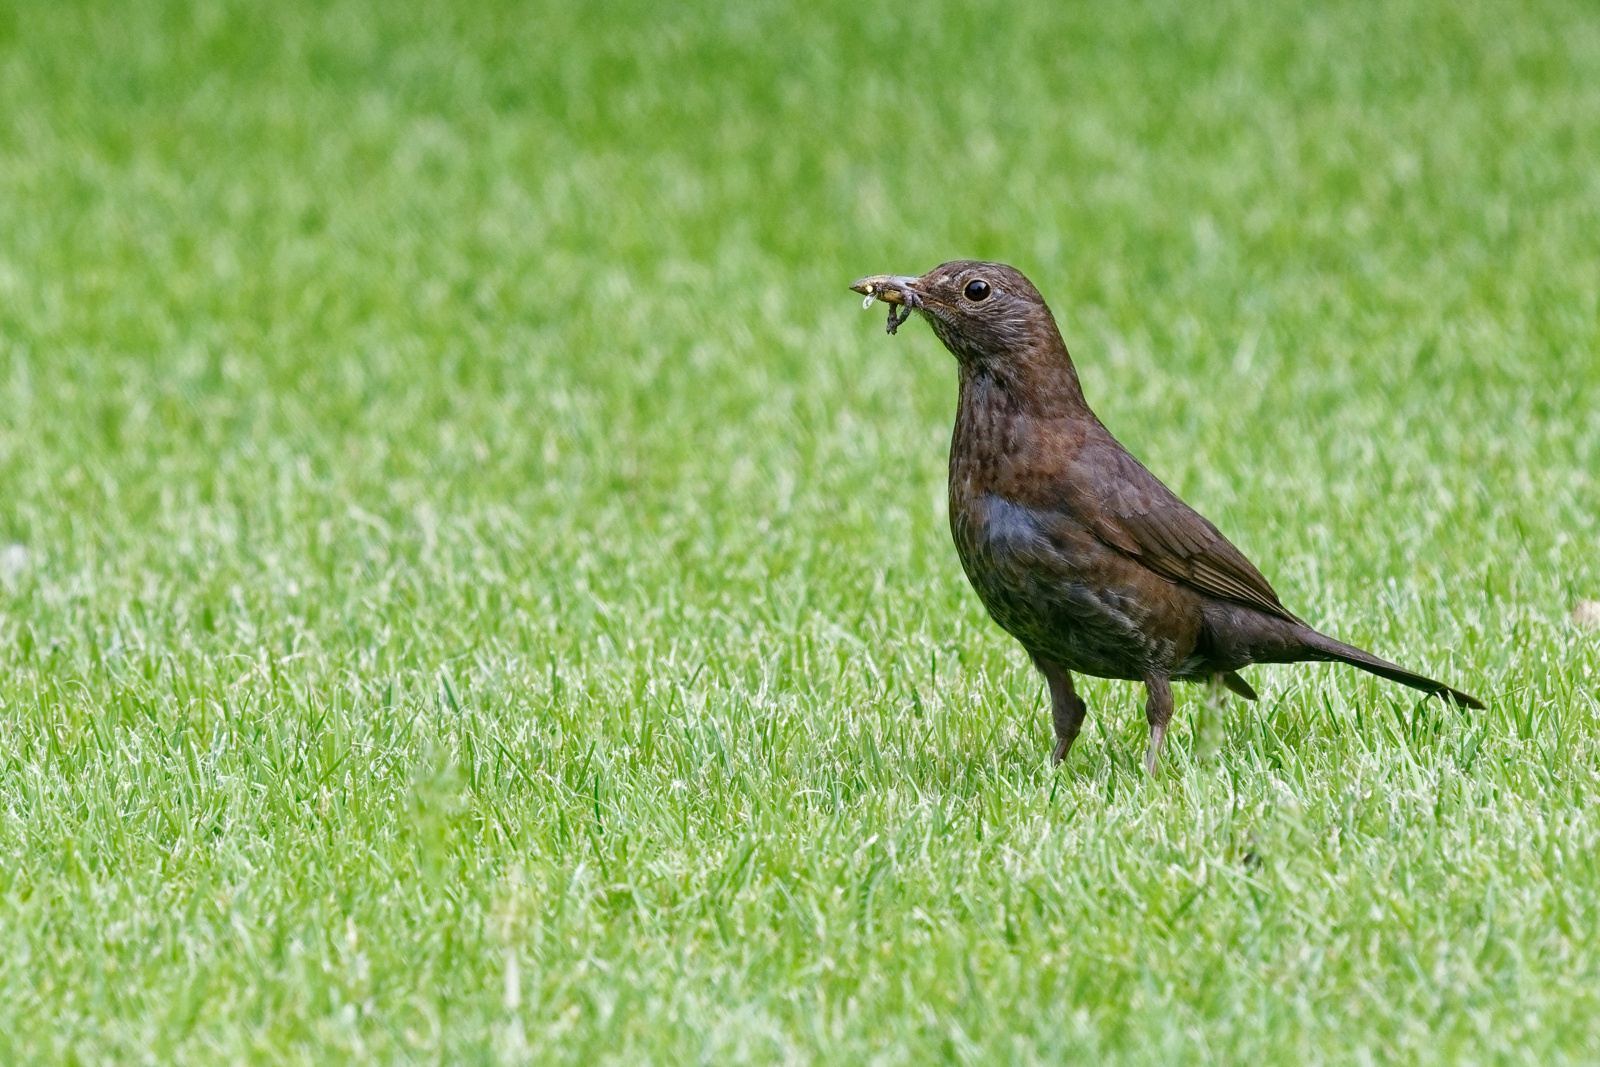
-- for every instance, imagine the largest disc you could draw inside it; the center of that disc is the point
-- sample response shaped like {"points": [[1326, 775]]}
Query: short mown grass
{"points": [[474, 587]]}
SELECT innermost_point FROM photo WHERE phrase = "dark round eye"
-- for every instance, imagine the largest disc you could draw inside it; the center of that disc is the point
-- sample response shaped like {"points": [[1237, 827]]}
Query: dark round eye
{"points": [[977, 290]]}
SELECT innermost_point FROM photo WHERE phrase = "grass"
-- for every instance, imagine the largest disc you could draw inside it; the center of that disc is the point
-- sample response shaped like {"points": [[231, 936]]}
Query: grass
{"points": [[476, 587]]}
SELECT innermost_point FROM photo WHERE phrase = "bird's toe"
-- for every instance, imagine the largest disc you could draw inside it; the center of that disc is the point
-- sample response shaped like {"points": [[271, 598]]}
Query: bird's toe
{"points": [[1152, 757]]}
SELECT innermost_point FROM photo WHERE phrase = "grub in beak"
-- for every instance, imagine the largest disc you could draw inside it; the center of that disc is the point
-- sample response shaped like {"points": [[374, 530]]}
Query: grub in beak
{"points": [[892, 289]]}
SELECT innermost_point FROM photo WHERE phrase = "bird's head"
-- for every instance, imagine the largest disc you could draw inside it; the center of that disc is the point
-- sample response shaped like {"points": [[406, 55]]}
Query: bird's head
{"points": [[985, 313]]}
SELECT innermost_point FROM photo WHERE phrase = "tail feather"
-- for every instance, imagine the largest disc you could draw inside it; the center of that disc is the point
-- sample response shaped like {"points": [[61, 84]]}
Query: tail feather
{"points": [[1321, 646], [1232, 680]]}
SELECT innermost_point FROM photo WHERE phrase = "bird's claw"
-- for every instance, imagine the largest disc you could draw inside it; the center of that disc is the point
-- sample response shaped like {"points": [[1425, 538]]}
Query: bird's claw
{"points": [[1152, 756]]}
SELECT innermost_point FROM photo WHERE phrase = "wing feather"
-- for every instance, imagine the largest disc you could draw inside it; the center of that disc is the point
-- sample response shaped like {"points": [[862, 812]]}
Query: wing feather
{"points": [[1144, 519]]}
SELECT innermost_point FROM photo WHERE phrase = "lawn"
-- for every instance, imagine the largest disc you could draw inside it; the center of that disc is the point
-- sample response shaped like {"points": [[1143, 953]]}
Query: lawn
{"points": [[475, 586]]}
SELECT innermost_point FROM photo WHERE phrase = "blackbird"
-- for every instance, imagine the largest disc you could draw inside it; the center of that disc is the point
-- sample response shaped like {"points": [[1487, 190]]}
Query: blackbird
{"points": [[1075, 549]]}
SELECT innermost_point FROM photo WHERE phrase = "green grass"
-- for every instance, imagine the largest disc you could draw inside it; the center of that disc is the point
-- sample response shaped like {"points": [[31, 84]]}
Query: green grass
{"points": [[480, 589]]}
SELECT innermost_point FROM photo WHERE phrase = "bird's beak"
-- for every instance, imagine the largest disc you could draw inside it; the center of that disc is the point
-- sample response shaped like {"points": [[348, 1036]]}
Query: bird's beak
{"points": [[890, 288]]}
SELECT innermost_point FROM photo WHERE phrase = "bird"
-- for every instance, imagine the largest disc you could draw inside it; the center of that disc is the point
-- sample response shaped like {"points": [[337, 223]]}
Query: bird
{"points": [[1073, 546]]}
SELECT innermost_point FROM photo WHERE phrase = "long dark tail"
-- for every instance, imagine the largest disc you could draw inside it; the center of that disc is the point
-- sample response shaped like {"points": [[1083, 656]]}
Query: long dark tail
{"points": [[1321, 646]]}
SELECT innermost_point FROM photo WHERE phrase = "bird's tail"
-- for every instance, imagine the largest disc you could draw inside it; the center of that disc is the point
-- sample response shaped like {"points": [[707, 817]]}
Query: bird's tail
{"points": [[1321, 646]]}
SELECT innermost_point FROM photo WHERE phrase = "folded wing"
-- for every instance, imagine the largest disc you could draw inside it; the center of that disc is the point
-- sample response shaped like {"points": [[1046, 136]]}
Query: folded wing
{"points": [[1141, 517]]}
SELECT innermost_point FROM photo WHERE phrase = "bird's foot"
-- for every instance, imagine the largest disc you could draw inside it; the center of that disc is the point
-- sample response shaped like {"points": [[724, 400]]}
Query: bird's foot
{"points": [[1158, 734]]}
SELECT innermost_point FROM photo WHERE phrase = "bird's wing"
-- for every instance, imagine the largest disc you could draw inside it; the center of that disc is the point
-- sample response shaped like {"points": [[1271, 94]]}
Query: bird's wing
{"points": [[1134, 512]]}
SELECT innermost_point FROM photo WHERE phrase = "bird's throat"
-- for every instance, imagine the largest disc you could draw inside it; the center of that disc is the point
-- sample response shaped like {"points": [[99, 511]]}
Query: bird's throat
{"points": [[1040, 384]]}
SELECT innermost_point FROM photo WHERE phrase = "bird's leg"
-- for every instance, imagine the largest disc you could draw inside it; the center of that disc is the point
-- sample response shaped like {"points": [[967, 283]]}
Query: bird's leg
{"points": [[1158, 710], [1066, 709]]}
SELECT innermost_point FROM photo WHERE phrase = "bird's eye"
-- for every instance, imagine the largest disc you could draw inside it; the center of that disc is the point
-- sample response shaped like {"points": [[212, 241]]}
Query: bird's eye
{"points": [[977, 290]]}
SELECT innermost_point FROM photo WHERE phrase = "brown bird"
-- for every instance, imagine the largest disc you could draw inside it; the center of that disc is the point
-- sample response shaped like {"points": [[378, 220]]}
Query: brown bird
{"points": [[1076, 549]]}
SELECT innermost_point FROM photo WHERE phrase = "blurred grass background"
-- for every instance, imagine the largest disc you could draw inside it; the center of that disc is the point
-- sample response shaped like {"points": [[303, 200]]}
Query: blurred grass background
{"points": [[474, 587]]}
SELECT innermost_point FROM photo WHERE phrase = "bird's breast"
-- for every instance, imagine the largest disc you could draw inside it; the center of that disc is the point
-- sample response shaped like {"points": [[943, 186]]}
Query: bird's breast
{"points": [[999, 446]]}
